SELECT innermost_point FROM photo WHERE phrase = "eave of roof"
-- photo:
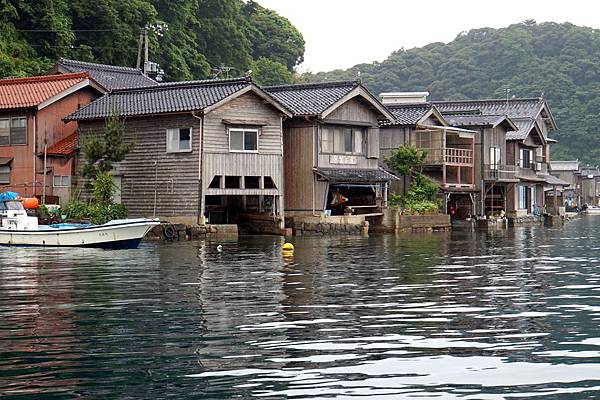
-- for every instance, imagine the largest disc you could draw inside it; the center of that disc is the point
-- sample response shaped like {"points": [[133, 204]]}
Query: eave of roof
{"points": [[40, 91], [170, 98]]}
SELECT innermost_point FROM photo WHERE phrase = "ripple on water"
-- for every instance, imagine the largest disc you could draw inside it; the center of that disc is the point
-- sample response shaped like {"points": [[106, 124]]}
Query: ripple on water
{"points": [[465, 315]]}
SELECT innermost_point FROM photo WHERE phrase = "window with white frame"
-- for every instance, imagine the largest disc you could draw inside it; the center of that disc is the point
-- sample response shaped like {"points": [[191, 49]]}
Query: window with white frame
{"points": [[13, 131], [179, 140], [525, 158], [61, 181], [522, 197], [4, 174], [342, 140], [243, 140], [495, 159]]}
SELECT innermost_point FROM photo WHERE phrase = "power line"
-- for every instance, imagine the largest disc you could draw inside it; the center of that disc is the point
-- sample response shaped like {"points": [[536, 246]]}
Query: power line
{"points": [[66, 30], [83, 47]]}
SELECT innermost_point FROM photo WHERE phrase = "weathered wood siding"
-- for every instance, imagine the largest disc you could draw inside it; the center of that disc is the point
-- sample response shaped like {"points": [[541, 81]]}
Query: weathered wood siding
{"points": [[149, 168], [299, 150], [356, 109], [217, 160], [359, 111], [390, 138]]}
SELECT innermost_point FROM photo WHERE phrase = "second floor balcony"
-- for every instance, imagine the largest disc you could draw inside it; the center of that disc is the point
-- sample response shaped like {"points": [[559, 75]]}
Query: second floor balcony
{"points": [[500, 173]]}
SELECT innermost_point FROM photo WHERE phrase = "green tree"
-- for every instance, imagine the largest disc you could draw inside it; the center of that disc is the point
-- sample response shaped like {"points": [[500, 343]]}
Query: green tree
{"points": [[100, 153], [560, 60], [269, 72], [420, 197]]}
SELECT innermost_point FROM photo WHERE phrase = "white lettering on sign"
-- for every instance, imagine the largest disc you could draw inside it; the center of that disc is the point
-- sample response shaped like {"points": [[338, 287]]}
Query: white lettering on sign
{"points": [[338, 159]]}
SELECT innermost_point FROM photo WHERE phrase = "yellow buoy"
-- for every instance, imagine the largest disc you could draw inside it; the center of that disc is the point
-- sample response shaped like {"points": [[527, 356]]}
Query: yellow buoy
{"points": [[287, 247]]}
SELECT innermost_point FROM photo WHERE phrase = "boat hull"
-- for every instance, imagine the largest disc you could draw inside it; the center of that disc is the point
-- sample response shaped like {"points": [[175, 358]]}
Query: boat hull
{"points": [[593, 211], [124, 234]]}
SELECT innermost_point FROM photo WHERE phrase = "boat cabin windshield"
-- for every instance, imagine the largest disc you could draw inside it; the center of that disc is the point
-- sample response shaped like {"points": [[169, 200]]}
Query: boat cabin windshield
{"points": [[11, 205]]}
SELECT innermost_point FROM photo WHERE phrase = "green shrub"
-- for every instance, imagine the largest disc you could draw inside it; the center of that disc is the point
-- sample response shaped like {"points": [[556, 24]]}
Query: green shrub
{"points": [[97, 213]]}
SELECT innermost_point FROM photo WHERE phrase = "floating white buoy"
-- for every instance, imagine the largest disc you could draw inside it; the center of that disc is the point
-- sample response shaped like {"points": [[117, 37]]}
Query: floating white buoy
{"points": [[219, 248]]}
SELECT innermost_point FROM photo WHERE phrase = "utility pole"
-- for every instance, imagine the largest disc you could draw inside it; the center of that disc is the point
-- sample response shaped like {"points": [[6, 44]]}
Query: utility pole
{"points": [[140, 44]]}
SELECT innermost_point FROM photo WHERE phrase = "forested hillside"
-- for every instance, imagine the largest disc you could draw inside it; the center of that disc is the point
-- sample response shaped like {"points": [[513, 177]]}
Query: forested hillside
{"points": [[200, 35], [560, 60]]}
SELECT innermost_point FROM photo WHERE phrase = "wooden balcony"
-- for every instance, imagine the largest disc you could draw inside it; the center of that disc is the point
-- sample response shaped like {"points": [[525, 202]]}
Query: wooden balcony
{"points": [[449, 156], [455, 156], [499, 172]]}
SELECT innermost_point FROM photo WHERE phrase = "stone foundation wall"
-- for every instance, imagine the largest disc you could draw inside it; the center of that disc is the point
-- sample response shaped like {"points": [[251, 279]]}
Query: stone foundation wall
{"points": [[525, 220], [316, 229], [394, 221]]}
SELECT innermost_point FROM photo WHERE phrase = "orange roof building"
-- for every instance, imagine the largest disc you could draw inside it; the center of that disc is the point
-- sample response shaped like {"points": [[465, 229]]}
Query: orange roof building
{"points": [[31, 126]]}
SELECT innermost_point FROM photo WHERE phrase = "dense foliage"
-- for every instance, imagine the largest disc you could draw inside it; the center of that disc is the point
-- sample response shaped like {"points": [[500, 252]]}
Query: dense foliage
{"points": [[560, 60], [420, 198], [200, 36]]}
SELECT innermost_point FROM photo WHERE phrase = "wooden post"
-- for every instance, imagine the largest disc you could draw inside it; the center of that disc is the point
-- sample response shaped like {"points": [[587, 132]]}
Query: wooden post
{"points": [[555, 200]]}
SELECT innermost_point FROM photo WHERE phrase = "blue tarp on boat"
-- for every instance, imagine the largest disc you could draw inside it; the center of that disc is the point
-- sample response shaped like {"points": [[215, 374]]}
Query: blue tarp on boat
{"points": [[6, 196]]}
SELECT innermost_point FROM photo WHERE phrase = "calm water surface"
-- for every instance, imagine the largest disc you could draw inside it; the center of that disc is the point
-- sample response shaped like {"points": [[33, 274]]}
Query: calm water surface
{"points": [[510, 314]]}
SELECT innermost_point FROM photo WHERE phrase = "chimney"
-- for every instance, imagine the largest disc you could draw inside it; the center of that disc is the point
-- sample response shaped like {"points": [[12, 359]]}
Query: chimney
{"points": [[404, 97]]}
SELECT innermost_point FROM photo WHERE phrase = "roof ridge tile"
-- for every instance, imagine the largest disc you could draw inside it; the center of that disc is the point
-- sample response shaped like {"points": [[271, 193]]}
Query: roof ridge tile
{"points": [[44, 78]]}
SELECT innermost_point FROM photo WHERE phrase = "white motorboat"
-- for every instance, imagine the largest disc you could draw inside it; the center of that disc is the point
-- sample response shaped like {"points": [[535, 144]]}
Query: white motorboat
{"points": [[19, 229], [592, 210]]}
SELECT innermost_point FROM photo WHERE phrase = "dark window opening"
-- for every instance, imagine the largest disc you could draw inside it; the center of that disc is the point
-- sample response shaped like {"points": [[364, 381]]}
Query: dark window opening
{"points": [[252, 203], [269, 184], [215, 183], [232, 182], [213, 201], [252, 182]]}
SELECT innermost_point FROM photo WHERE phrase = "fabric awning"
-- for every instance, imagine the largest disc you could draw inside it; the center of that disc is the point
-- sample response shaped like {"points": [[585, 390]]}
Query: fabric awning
{"points": [[351, 175], [5, 161]]}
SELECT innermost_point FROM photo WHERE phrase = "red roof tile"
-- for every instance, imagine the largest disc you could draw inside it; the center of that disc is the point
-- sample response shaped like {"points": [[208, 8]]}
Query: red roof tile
{"points": [[31, 91], [63, 147]]}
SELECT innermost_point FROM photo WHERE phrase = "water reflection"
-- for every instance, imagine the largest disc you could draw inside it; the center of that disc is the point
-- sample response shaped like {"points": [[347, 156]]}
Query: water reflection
{"points": [[456, 315]]}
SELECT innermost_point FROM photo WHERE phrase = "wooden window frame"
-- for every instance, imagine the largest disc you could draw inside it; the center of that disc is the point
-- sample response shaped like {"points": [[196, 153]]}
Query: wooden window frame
{"points": [[341, 130]]}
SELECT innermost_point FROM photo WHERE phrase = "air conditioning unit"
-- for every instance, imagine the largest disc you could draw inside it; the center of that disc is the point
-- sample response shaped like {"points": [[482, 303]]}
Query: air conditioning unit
{"points": [[538, 166]]}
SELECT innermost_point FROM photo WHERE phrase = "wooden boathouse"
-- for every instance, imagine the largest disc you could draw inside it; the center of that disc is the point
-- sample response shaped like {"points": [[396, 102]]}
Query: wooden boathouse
{"points": [[204, 151], [332, 165]]}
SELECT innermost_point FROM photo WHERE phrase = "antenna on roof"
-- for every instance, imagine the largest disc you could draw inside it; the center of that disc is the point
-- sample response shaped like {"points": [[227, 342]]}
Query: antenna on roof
{"points": [[358, 76], [149, 67], [542, 95], [217, 71], [507, 95]]}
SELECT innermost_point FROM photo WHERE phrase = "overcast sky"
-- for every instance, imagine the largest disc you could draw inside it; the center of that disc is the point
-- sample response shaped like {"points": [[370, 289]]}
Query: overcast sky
{"points": [[342, 33]]}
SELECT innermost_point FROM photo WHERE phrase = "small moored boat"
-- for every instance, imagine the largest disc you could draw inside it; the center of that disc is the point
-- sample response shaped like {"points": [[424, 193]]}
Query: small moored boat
{"points": [[592, 210], [19, 229]]}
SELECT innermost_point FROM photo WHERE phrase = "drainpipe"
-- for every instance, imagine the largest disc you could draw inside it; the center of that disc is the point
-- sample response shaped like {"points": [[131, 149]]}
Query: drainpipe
{"points": [[34, 153], [314, 153], [201, 220], [45, 169]]}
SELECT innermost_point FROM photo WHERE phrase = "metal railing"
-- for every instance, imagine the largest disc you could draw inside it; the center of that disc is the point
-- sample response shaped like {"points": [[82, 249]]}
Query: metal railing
{"points": [[495, 172]]}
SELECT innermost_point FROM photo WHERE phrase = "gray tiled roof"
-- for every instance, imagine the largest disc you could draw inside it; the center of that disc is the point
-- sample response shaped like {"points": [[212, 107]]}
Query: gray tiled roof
{"points": [[351, 175], [523, 125], [474, 120], [109, 76], [312, 98], [407, 114], [166, 98], [514, 108], [559, 165]]}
